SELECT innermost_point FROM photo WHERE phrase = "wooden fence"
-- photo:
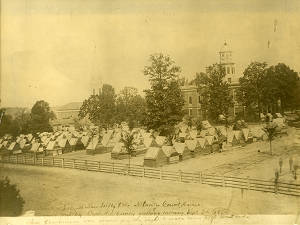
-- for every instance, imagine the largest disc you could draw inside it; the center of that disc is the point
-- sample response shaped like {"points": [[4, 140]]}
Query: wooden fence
{"points": [[155, 173]]}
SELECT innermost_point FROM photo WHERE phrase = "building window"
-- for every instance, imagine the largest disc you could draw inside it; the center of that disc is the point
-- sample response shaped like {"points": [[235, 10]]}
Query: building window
{"points": [[190, 112], [233, 95], [190, 100], [229, 80], [232, 70], [228, 70], [199, 99]]}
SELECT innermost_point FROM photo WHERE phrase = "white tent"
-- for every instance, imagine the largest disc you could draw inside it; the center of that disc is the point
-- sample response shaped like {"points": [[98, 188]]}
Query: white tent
{"points": [[160, 140], [150, 142]]}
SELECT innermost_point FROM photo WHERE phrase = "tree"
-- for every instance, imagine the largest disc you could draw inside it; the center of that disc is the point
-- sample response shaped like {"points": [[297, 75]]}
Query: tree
{"points": [[215, 92], [130, 107], [128, 141], [164, 100], [22, 121], [270, 129], [250, 92], [280, 84], [189, 121], [199, 125], [100, 109], [40, 117], [11, 203], [6, 126]]}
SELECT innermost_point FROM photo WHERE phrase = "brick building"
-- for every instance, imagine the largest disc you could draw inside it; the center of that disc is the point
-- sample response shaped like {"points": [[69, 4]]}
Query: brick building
{"points": [[193, 98]]}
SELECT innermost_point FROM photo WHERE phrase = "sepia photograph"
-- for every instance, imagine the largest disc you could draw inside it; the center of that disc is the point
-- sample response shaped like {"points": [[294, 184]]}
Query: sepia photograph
{"points": [[149, 112]]}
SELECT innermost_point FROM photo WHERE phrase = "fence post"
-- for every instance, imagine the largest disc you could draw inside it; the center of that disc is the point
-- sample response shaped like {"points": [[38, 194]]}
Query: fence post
{"points": [[53, 161], [223, 181], [200, 177], [99, 165], [73, 163], [160, 173], [180, 176], [86, 165], [143, 171], [248, 183], [34, 159], [113, 167], [62, 162], [42, 161], [24, 160]]}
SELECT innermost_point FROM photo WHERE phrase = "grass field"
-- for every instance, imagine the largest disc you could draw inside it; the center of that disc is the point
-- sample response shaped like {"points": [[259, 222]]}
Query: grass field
{"points": [[55, 191]]}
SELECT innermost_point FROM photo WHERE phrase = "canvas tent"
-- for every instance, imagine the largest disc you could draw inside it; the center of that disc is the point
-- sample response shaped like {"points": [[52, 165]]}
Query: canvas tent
{"points": [[155, 157], [85, 140], [182, 150], [160, 140], [170, 152], [212, 143], [150, 142], [95, 147], [76, 144], [119, 152], [205, 148], [206, 124], [37, 148], [14, 147], [232, 138], [193, 146], [53, 148], [247, 135], [4, 145], [64, 144]]}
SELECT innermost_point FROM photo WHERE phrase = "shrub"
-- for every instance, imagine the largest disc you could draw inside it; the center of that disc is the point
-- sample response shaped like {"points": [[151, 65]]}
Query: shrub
{"points": [[11, 203]]}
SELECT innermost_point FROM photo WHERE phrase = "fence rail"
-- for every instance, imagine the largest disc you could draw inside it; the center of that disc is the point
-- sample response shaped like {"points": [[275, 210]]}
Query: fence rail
{"points": [[155, 173]]}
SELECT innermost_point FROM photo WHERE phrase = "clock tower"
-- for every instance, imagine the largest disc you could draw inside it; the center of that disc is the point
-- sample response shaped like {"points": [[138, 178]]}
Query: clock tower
{"points": [[227, 62]]}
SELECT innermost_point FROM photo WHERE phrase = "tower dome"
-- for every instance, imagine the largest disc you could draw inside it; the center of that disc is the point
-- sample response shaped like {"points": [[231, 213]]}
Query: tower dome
{"points": [[225, 48], [227, 62]]}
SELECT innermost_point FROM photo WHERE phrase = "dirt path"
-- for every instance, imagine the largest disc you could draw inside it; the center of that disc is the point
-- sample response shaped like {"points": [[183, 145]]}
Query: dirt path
{"points": [[55, 191]]}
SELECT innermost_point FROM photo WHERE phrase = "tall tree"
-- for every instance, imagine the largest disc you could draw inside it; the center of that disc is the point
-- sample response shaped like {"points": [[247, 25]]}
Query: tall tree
{"points": [[280, 84], [100, 109], [128, 141], [164, 99], [40, 117], [130, 107], [250, 93], [215, 92]]}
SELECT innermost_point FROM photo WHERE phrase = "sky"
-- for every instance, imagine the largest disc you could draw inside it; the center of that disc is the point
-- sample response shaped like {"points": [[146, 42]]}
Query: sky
{"points": [[60, 50]]}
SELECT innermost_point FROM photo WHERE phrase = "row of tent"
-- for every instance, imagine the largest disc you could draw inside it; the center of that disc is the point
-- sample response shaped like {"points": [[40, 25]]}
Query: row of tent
{"points": [[64, 141]]}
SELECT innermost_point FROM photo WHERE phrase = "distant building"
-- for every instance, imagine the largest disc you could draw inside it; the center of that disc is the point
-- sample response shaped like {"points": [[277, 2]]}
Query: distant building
{"points": [[67, 114], [193, 99]]}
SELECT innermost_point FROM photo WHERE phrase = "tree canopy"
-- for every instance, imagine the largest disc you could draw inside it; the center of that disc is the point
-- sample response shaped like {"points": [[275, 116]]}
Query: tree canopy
{"points": [[274, 88], [164, 100], [100, 109], [215, 92], [130, 107], [40, 117]]}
